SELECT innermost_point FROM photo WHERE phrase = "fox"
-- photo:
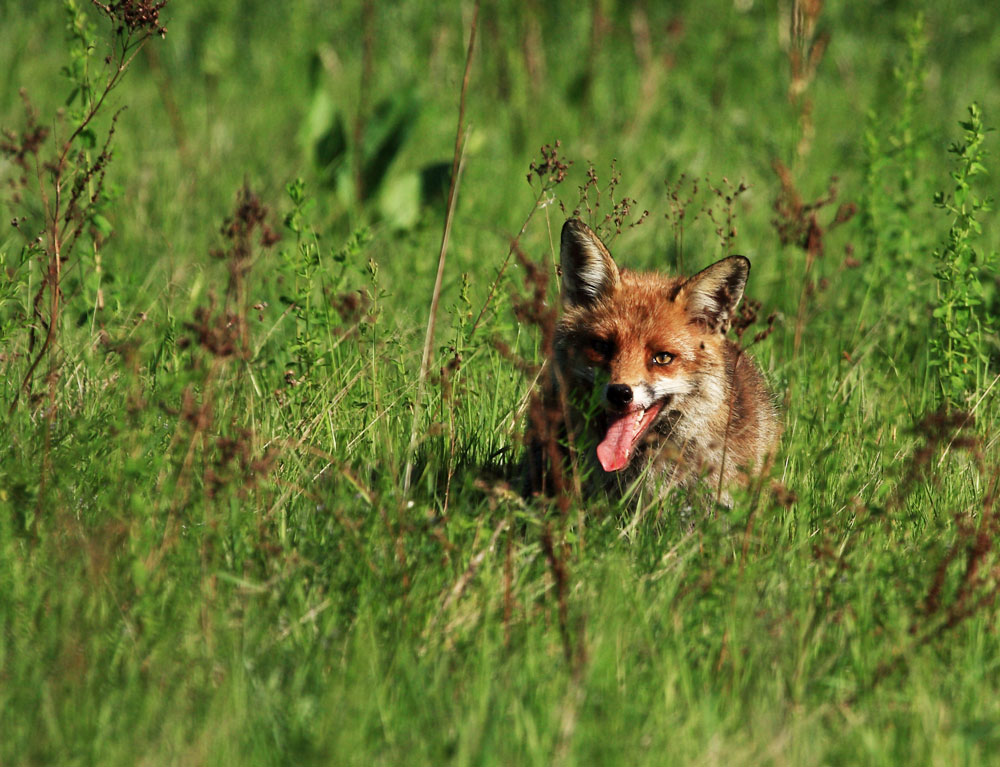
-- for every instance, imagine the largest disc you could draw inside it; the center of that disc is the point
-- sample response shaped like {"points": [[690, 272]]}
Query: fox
{"points": [[678, 404]]}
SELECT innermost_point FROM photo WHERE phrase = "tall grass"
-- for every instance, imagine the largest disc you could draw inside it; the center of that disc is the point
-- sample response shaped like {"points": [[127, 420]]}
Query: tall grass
{"points": [[208, 550]]}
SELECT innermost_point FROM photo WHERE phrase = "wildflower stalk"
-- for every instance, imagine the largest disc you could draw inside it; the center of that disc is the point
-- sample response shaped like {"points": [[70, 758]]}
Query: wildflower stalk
{"points": [[963, 326], [70, 186]]}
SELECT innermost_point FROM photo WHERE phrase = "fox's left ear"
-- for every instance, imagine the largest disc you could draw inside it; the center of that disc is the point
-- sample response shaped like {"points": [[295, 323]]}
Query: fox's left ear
{"points": [[712, 294]]}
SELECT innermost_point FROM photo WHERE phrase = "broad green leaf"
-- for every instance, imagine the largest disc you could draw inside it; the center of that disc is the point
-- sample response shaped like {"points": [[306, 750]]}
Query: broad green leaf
{"points": [[399, 201]]}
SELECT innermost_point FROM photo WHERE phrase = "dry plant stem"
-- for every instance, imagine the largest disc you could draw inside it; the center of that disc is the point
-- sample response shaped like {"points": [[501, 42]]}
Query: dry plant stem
{"points": [[184, 476], [560, 576], [429, 337], [183, 485], [67, 237], [456, 169]]}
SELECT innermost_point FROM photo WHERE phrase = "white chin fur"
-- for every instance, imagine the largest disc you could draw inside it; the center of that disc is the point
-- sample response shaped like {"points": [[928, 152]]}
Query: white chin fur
{"points": [[667, 386]]}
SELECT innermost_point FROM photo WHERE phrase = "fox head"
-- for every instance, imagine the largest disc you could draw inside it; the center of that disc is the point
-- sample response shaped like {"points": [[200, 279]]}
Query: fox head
{"points": [[647, 345]]}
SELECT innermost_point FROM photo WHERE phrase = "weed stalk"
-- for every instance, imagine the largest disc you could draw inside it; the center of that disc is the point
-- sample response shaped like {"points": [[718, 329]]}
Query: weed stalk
{"points": [[456, 168]]}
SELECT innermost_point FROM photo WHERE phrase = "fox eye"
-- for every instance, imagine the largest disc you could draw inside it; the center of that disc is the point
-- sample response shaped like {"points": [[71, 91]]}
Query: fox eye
{"points": [[663, 358], [601, 346]]}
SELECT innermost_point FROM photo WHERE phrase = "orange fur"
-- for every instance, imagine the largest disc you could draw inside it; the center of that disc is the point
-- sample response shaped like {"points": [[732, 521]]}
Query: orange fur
{"points": [[678, 401]]}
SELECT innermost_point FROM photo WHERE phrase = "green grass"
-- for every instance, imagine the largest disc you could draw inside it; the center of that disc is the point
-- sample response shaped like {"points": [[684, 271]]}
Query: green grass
{"points": [[209, 558]]}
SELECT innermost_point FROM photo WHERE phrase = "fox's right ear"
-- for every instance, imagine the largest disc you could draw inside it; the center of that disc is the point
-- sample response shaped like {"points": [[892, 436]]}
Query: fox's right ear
{"points": [[588, 271], [711, 296]]}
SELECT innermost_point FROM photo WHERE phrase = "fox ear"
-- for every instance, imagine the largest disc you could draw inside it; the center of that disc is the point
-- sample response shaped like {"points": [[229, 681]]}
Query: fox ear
{"points": [[712, 294], [588, 271]]}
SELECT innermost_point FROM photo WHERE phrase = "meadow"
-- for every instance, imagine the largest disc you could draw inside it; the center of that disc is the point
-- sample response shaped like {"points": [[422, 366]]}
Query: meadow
{"points": [[253, 512]]}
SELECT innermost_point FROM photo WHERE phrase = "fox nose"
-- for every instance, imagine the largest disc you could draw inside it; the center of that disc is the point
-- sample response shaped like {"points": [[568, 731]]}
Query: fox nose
{"points": [[619, 395]]}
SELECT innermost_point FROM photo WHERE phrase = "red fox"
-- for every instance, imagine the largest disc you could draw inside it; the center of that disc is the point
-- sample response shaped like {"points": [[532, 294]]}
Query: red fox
{"points": [[671, 400]]}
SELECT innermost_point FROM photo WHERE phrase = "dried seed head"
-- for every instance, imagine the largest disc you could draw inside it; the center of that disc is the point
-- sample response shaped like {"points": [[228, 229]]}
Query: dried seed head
{"points": [[135, 16]]}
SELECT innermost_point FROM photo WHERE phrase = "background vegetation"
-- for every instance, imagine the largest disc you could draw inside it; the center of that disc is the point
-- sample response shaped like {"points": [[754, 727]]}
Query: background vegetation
{"points": [[237, 527]]}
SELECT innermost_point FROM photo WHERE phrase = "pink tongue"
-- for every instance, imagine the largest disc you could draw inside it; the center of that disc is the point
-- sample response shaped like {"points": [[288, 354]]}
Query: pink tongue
{"points": [[614, 450]]}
